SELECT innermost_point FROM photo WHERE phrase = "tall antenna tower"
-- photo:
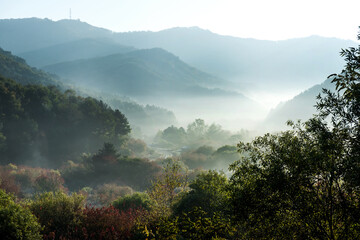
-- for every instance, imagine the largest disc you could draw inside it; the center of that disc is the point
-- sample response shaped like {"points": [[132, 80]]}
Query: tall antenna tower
{"points": [[70, 13]]}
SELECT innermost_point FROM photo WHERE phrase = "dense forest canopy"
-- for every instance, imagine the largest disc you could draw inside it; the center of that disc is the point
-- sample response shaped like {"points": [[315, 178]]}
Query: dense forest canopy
{"points": [[45, 123]]}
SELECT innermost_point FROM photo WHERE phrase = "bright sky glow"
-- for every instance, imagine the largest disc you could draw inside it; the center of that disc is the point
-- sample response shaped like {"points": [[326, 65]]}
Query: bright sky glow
{"points": [[261, 19]]}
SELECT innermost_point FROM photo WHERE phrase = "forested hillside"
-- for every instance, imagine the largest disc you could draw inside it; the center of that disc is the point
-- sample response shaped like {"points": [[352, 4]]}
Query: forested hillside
{"points": [[16, 68], [51, 127], [140, 116]]}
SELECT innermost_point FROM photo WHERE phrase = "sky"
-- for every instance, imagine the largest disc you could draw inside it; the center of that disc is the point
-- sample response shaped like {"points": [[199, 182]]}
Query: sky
{"points": [[260, 19]]}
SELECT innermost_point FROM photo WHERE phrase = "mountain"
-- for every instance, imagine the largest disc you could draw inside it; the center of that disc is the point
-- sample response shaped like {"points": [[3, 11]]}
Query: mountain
{"points": [[17, 69], [157, 77], [301, 107], [252, 65], [28, 34], [249, 63], [69, 51], [145, 118], [149, 72]]}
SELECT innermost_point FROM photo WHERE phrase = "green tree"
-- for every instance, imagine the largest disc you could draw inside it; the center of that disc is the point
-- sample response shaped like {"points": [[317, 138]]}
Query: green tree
{"points": [[59, 213], [197, 224], [208, 191], [17, 222], [166, 188], [134, 201]]}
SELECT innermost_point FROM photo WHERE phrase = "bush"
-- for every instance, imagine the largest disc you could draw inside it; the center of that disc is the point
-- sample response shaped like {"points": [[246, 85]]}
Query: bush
{"points": [[8, 181], [49, 181], [58, 212], [108, 223], [107, 193], [16, 222], [134, 201], [197, 225]]}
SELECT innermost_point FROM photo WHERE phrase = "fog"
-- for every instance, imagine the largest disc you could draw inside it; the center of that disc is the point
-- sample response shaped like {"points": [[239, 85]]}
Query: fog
{"points": [[166, 84]]}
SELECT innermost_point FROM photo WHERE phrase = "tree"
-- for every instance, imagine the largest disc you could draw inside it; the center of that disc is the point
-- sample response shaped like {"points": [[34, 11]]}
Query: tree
{"points": [[58, 212], [17, 222], [304, 183], [133, 201], [208, 192], [166, 188], [197, 224], [197, 129]]}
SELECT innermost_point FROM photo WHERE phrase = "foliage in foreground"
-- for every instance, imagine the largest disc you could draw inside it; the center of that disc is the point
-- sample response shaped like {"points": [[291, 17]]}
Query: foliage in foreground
{"points": [[304, 183], [17, 222]]}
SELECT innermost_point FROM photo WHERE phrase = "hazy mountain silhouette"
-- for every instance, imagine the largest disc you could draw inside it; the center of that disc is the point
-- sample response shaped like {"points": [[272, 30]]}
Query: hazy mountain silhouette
{"points": [[150, 72], [146, 118], [69, 51], [295, 63], [30, 34], [301, 107], [251, 64]]}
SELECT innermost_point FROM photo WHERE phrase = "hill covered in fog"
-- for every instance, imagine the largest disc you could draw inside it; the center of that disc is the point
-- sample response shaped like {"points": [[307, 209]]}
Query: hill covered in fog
{"points": [[140, 116], [138, 73], [78, 49], [289, 65], [222, 72], [301, 107]]}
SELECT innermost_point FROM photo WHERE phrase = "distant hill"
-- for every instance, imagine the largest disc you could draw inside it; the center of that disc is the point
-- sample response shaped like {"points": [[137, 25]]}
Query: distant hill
{"points": [[139, 116], [23, 35], [16, 68], [301, 107], [150, 72], [69, 51], [249, 63], [157, 77]]}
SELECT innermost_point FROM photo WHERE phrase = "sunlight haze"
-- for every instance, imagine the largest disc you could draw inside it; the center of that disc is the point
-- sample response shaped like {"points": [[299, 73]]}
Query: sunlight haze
{"points": [[260, 19]]}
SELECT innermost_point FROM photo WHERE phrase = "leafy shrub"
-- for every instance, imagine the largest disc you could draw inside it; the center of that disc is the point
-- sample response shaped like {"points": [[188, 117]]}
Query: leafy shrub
{"points": [[107, 193], [108, 223], [196, 224], [23, 181], [49, 181], [8, 181], [107, 166], [208, 192], [134, 148], [16, 222], [134, 201], [58, 212]]}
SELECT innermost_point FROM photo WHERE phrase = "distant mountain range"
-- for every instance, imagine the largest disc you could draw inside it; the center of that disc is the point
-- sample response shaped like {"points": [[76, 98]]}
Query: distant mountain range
{"points": [[69, 51], [250, 64], [29, 34], [150, 72], [183, 63], [152, 117]]}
